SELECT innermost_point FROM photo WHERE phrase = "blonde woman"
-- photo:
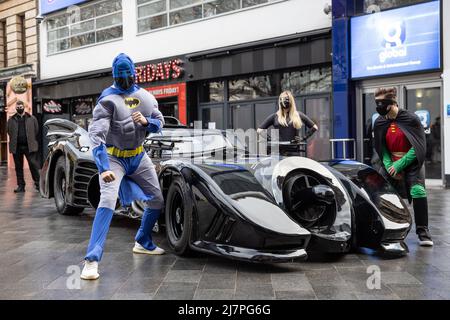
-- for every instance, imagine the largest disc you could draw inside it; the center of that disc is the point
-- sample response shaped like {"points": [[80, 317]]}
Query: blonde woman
{"points": [[288, 120]]}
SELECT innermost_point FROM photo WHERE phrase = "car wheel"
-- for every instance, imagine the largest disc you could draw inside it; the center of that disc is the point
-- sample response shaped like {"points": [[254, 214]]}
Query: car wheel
{"points": [[178, 214], [59, 188]]}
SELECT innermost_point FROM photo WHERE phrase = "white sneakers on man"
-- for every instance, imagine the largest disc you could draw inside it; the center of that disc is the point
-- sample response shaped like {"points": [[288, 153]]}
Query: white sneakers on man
{"points": [[90, 270], [141, 250]]}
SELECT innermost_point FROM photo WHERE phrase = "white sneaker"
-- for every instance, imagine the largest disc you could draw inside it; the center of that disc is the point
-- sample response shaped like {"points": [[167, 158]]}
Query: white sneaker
{"points": [[141, 250], [90, 271]]}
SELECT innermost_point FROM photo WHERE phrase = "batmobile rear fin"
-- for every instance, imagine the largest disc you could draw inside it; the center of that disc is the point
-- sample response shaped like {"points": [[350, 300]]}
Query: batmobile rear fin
{"points": [[62, 129]]}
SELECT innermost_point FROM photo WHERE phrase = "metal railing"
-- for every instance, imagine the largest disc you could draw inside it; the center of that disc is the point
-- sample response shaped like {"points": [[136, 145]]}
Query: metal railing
{"points": [[345, 150]]}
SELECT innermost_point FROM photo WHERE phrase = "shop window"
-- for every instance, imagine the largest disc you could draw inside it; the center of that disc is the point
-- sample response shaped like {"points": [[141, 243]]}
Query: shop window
{"points": [[109, 34], [296, 82], [212, 117], [426, 103], [154, 14], [186, 15], [93, 23], [307, 81], [23, 40], [212, 92], [251, 88], [242, 116], [82, 111], [249, 3], [152, 23], [320, 80], [220, 6], [82, 106], [372, 6], [53, 106], [151, 8]]}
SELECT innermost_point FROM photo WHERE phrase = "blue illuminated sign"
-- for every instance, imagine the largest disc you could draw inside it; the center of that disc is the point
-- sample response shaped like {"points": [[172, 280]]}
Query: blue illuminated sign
{"points": [[396, 41], [48, 6]]}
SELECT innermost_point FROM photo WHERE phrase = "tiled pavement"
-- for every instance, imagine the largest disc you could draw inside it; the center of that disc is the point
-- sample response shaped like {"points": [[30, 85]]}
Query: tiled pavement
{"points": [[37, 246]]}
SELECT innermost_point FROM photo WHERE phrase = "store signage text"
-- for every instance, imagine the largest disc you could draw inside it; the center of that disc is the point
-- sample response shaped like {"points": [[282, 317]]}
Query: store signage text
{"points": [[167, 70], [164, 92]]}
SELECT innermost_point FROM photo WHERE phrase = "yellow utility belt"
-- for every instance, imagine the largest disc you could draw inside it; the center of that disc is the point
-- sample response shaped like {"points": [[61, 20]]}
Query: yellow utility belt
{"points": [[124, 153]]}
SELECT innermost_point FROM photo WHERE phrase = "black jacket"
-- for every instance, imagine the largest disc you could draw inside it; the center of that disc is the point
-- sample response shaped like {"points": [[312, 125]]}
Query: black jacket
{"points": [[32, 129], [286, 133], [411, 126]]}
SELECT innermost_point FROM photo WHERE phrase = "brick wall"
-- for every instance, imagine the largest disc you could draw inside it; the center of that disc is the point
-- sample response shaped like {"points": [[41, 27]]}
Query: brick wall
{"points": [[19, 16]]}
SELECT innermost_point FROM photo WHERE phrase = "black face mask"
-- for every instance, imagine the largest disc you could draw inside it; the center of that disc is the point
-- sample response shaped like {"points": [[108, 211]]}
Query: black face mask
{"points": [[20, 110], [383, 106], [125, 83], [286, 103]]}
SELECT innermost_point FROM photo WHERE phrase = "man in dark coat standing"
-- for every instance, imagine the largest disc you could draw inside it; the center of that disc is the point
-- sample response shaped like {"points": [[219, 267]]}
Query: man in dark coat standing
{"points": [[23, 130], [401, 145]]}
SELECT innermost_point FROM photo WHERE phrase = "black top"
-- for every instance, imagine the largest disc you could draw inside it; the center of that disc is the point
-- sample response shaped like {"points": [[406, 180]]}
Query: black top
{"points": [[286, 133], [22, 132], [411, 126]]}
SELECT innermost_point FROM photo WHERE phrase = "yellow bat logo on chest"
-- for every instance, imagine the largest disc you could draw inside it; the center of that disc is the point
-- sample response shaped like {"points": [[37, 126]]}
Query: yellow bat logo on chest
{"points": [[132, 103]]}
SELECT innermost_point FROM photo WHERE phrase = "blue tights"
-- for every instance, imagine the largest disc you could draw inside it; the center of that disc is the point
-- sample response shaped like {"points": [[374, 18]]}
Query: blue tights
{"points": [[100, 229]]}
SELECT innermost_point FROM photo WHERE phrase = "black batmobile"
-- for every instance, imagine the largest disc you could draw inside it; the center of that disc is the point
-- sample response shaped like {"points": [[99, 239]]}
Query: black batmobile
{"points": [[221, 199]]}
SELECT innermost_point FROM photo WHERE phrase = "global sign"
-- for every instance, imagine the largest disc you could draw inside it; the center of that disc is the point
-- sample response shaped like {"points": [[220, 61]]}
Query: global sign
{"points": [[397, 41], [47, 6]]}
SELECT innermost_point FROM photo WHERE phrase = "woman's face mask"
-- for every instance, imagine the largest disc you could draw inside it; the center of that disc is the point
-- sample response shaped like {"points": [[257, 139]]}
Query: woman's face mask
{"points": [[286, 103]]}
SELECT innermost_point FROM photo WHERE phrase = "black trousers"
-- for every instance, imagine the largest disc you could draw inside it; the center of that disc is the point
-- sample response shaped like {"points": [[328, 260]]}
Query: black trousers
{"points": [[32, 158], [413, 175]]}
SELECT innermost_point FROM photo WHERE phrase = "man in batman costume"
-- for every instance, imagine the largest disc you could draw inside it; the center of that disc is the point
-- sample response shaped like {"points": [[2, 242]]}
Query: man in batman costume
{"points": [[122, 118], [401, 145]]}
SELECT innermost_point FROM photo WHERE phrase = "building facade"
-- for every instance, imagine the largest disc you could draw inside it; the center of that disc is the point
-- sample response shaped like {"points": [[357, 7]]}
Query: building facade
{"points": [[222, 62], [396, 43], [18, 57], [195, 57]]}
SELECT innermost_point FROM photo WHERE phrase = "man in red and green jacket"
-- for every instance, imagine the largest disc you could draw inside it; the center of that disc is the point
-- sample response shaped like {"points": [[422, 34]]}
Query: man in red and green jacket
{"points": [[401, 145]]}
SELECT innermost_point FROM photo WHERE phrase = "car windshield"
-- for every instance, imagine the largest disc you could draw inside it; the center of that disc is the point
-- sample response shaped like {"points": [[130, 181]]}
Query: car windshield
{"points": [[186, 145]]}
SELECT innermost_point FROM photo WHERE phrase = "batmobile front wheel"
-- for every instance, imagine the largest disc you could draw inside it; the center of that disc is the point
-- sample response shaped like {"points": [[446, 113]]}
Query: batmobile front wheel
{"points": [[178, 217], [59, 189]]}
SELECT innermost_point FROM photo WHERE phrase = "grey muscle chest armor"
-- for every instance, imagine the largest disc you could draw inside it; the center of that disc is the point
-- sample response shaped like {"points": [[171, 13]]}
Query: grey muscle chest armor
{"points": [[112, 122]]}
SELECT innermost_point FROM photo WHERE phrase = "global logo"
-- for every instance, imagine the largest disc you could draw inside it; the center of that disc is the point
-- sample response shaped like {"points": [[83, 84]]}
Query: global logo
{"points": [[394, 37]]}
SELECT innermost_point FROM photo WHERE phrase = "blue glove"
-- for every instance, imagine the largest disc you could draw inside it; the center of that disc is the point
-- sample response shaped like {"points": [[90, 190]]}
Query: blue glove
{"points": [[101, 158], [154, 125]]}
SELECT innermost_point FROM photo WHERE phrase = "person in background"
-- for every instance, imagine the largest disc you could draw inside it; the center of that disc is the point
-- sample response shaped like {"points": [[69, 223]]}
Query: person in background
{"points": [[401, 145], [436, 138], [23, 131], [288, 120]]}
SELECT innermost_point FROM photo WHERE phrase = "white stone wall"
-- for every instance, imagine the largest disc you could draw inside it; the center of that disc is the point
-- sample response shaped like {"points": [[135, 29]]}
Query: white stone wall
{"points": [[273, 20]]}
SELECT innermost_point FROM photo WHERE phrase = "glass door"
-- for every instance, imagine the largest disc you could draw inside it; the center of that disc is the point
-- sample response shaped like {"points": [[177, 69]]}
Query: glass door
{"points": [[369, 115], [212, 117], [425, 99], [242, 116], [426, 102], [319, 110]]}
